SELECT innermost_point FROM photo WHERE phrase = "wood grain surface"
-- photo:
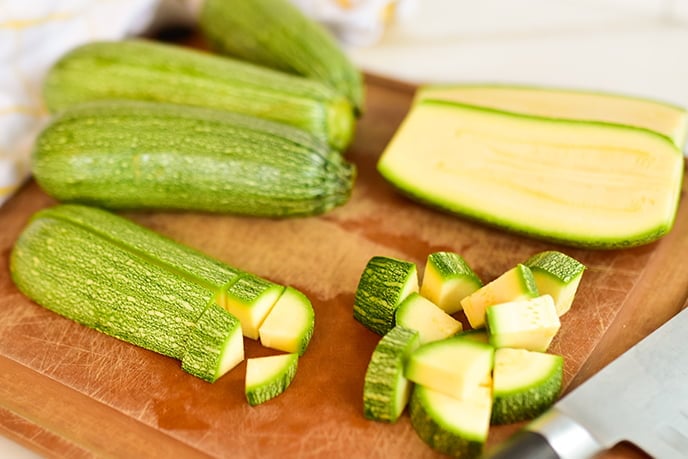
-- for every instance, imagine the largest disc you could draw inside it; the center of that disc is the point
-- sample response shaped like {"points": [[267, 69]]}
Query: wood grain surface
{"points": [[68, 391]]}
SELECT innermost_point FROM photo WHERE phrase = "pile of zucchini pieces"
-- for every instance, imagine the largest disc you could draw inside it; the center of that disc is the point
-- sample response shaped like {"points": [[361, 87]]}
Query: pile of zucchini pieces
{"points": [[458, 382]]}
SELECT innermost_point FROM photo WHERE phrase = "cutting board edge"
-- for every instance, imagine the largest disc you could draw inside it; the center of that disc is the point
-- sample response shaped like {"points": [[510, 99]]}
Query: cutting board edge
{"points": [[73, 417]]}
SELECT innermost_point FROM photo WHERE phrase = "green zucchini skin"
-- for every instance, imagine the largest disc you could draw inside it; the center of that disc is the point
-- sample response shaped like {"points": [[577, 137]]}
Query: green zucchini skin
{"points": [[181, 259], [144, 70], [86, 278], [384, 284], [145, 155], [385, 389], [277, 34], [216, 333]]}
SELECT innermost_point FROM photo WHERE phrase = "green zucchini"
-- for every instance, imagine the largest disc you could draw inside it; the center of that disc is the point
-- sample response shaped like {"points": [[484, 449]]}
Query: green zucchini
{"points": [[78, 274], [386, 390], [515, 284], [383, 285], [432, 323], [447, 280], [453, 366], [581, 183], [250, 299], [145, 155], [277, 34], [121, 279], [215, 345], [267, 377], [526, 324], [456, 427], [146, 70], [290, 323], [525, 384], [185, 261], [558, 275], [576, 104]]}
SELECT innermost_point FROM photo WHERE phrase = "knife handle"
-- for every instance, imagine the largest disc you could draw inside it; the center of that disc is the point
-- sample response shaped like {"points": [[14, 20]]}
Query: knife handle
{"points": [[525, 445], [554, 435]]}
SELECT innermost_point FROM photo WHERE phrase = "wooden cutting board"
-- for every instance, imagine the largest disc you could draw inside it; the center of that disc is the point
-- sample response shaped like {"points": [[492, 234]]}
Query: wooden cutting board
{"points": [[66, 390]]}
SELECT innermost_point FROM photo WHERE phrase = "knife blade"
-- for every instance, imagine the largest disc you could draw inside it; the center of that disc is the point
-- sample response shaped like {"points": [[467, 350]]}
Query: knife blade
{"points": [[641, 397]]}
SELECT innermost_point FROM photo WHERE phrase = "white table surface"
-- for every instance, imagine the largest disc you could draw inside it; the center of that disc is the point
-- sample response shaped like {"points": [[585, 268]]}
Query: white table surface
{"points": [[637, 47]]}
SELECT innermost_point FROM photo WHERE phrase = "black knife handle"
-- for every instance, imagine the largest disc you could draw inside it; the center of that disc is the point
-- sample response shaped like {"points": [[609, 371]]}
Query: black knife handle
{"points": [[553, 435], [525, 445]]}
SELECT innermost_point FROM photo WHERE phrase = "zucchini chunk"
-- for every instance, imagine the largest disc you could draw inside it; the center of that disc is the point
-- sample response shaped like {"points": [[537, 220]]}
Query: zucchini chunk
{"points": [[268, 377], [666, 119], [453, 426], [432, 323], [558, 275], [447, 280], [525, 384], [528, 324], [290, 324], [215, 345], [386, 390], [454, 366], [384, 284], [250, 299], [581, 183], [517, 283]]}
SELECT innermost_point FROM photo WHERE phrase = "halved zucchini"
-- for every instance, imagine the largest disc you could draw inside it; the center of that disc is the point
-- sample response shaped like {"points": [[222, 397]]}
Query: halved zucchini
{"points": [[588, 184]]}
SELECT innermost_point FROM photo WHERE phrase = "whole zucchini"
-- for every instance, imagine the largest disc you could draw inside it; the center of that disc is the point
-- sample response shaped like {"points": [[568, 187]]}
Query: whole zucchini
{"points": [[277, 34], [144, 155], [146, 70]]}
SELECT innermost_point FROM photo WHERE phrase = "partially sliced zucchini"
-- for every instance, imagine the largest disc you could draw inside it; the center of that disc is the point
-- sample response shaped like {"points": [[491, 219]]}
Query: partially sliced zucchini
{"points": [[588, 184], [527, 324], [525, 384], [384, 284], [214, 346], [250, 299], [517, 283], [456, 427], [268, 377], [385, 390], [558, 275], [447, 280], [432, 323], [289, 325], [454, 366]]}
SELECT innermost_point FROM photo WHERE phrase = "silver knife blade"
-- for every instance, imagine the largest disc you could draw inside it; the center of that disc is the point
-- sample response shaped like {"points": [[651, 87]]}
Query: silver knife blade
{"points": [[641, 397]]}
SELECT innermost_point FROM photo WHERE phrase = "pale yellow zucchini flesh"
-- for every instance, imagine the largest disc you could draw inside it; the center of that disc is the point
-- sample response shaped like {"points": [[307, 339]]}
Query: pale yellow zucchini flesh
{"points": [[588, 184], [667, 119]]}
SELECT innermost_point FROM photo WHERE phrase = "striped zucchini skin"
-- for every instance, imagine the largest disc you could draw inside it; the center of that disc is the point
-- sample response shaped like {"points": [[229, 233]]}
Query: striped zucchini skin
{"points": [[145, 70], [385, 390], [215, 335], [383, 285], [144, 155], [277, 34], [84, 277], [265, 381], [183, 260]]}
